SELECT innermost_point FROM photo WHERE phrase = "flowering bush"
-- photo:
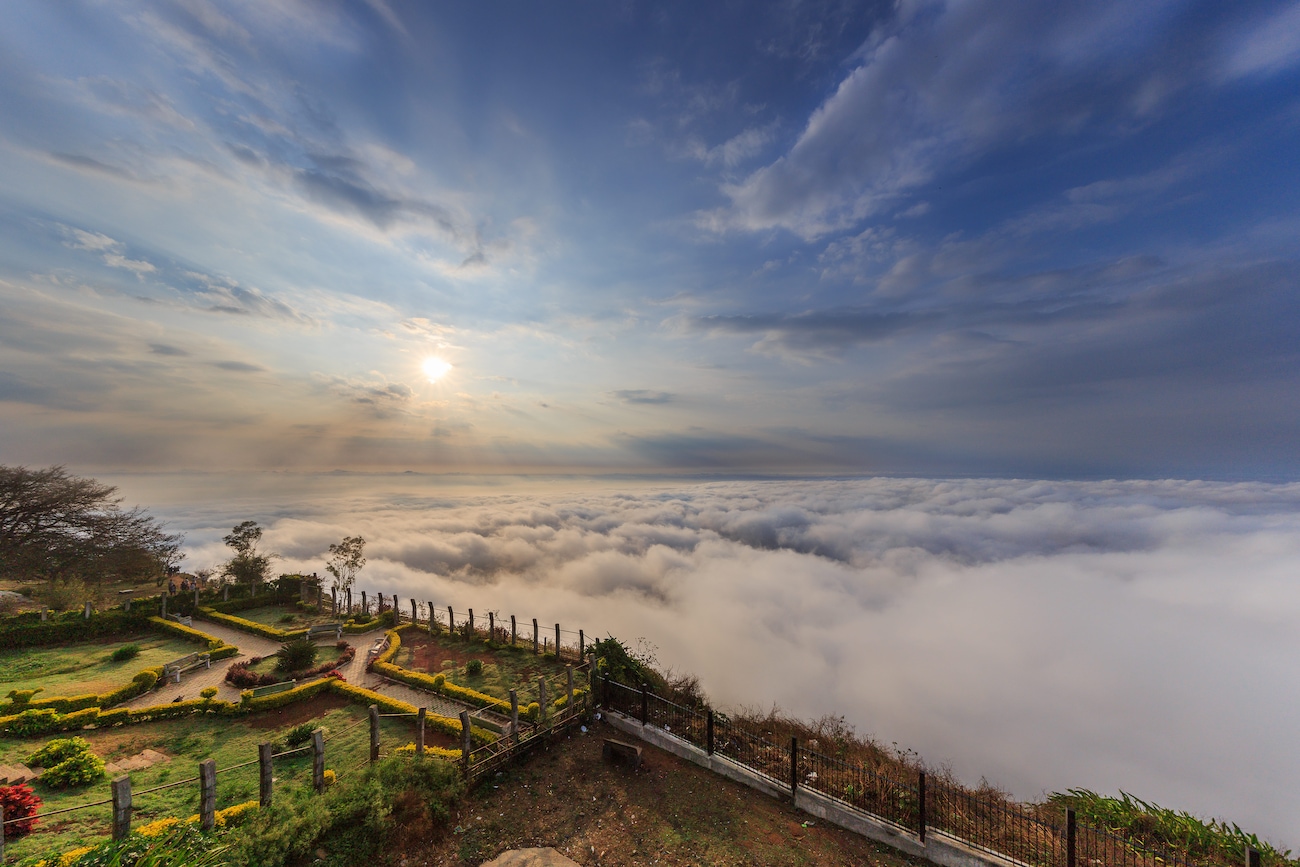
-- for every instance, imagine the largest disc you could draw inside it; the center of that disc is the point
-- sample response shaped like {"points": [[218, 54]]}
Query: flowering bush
{"points": [[20, 802]]}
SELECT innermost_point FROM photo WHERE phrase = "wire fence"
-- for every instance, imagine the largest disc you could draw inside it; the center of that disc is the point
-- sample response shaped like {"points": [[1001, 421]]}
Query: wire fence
{"points": [[909, 801]]}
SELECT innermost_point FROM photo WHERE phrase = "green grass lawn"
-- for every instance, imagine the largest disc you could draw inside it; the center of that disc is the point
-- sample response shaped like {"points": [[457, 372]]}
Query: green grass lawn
{"points": [[76, 669], [187, 742], [274, 615]]}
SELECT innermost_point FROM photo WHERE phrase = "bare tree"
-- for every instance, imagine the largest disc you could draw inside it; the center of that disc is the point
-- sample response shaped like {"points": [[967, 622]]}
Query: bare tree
{"points": [[345, 562], [56, 526]]}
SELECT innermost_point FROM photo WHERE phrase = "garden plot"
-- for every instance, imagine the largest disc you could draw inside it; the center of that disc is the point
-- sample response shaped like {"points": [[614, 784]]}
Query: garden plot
{"points": [[85, 667], [174, 749], [286, 617], [503, 668]]}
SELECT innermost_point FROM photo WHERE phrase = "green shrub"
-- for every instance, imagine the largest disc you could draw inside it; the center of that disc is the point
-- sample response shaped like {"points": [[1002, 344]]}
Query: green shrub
{"points": [[33, 722], [474, 667], [287, 618], [23, 696], [57, 750], [439, 681], [208, 692], [125, 652], [299, 735], [79, 770], [296, 655]]}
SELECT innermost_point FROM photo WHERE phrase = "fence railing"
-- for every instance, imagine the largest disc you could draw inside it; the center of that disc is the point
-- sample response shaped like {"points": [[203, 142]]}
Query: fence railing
{"points": [[913, 802]]}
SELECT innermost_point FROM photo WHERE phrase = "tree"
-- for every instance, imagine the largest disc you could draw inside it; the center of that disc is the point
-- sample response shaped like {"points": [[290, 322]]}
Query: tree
{"points": [[56, 526], [345, 562], [248, 566]]}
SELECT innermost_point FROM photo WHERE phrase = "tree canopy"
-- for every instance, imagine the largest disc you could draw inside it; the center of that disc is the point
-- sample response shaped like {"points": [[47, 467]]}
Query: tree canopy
{"points": [[54, 525], [248, 566], [346, 561]]}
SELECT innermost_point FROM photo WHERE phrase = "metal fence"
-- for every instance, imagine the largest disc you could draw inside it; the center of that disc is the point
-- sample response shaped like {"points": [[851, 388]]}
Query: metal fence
{"points": [[916, 803]]}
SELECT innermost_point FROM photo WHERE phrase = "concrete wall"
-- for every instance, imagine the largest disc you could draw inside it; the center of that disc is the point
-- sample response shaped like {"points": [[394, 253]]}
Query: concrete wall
{"points": [[938, 848]]}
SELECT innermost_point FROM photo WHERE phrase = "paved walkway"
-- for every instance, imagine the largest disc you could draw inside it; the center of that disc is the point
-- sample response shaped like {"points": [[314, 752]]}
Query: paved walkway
{"points": [[192, 682]]}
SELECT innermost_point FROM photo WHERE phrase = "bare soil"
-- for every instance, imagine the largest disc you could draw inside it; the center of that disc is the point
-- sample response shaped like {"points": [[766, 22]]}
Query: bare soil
{"points": [[667, 812]]}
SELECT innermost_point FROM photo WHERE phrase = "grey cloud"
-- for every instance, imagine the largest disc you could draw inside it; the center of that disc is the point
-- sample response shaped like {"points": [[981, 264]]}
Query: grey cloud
{"points": [[167, 349], [819, 332], [644, 396], [239, 366]]}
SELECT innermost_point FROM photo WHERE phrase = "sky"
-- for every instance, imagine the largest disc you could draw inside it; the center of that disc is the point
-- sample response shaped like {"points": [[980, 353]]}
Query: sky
{"points": [[922, 238]]}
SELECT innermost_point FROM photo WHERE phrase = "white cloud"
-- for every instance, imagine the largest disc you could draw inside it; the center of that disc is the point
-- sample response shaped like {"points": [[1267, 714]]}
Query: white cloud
{"points": [[1269, 47], [1041, 634]]}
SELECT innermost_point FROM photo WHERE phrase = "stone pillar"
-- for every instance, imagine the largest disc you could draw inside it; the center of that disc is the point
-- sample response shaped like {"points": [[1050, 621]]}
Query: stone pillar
{"points": [[121, 807]]}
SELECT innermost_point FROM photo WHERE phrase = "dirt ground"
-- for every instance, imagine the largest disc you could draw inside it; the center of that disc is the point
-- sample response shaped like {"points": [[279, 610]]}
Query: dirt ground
{"points": [[667, 812]]}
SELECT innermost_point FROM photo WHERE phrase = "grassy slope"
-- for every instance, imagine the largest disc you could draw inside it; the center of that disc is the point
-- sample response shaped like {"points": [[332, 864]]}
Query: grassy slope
{"points": [[189, 741], [75, 669]]}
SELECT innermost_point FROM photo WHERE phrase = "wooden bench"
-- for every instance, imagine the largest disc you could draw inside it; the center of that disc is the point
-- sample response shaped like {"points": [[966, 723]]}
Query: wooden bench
{"points": [[324, 629], [621, 751], [272, 689], [172, 670], [183, 621]]}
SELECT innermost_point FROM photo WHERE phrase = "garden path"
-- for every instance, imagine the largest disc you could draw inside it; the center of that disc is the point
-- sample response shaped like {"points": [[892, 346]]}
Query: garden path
{"points": [[254, 645]]}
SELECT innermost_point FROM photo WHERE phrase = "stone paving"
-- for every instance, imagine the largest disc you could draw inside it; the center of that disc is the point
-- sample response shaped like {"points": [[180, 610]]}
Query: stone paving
{"points": [[192, 682]]}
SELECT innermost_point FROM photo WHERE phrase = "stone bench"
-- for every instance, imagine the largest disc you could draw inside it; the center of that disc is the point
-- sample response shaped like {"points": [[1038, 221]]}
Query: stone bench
{"points": [[272, 689], [322, 630], [380, 645], [621, 751], [183, 621], [172, 670]]}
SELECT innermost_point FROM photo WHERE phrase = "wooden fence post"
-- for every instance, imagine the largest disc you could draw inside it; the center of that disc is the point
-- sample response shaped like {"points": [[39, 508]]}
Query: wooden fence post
{"points": [[920, 805], [433, 620], [541, 697], [365, 606], [1252, 857], [492, 626], [464, 740], [264, 775], [582, 645], [121, 807], [557, 642], [513, 632], [469, 625], [514, 716], [164, 606], [1071, 838], [334, 602], [535, 650], [451, 621], [419, 732], [207, 794], [568, 704], [794, 766], [708, 729], [414, 617], [348, 613], [374, 733], [318, 760]]}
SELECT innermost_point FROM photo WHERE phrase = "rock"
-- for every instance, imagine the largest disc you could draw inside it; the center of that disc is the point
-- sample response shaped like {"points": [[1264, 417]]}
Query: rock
{"points": [[547, 857]]}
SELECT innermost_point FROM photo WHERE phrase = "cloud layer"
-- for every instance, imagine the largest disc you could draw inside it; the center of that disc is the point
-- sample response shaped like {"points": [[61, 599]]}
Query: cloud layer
{"points": [[1040, 634]]}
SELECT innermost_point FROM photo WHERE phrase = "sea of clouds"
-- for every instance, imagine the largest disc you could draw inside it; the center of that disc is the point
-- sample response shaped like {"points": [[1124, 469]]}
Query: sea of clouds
{"points": [[1135, 635]]}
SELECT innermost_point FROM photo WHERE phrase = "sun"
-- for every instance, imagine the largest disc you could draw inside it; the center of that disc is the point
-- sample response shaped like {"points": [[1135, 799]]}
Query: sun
{"points": [[435, 368]]}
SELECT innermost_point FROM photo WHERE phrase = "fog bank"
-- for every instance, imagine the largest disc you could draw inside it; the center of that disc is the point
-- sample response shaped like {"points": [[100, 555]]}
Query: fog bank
{"points": [[1043, 635]]}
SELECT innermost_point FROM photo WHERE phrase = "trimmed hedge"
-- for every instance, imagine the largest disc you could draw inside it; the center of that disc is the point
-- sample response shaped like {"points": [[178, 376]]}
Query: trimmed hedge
{"points": [[251, 626], [436, 683], [247, 602], [23, 631], [215, 646], [438, 752], [139, 685]]}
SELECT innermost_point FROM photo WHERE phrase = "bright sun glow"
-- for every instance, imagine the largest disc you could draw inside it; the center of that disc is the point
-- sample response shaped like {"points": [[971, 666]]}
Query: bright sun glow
{"points": [[435, 368]]}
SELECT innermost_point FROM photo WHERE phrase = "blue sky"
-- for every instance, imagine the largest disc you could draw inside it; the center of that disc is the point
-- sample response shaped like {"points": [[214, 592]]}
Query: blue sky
{"points": [[808, 237]]}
